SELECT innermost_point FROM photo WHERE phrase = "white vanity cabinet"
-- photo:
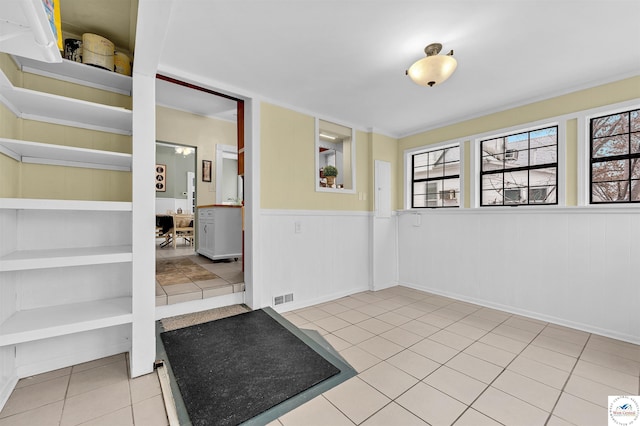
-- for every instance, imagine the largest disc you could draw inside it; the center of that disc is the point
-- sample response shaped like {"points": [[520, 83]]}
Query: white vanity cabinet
{"points": [[219, 232]]}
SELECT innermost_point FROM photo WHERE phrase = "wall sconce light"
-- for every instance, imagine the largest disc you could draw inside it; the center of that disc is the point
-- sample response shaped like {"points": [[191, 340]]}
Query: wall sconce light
{"points": [[434, 69]]}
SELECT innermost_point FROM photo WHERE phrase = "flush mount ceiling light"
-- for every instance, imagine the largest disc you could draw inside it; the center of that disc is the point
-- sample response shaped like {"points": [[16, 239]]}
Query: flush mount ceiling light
{"points": [[184, 150], [324, 135], [434, 69]]}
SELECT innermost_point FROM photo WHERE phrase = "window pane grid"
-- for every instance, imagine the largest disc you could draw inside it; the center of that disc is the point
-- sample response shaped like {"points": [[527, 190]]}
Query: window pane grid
{"points": [[436, 178], [520, 169], [615, 158]]}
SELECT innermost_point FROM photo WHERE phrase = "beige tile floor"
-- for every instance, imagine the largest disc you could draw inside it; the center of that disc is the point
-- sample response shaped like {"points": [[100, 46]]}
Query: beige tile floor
{"points": [[97, 393], [230, 278], [421, 358], [426, 359]]}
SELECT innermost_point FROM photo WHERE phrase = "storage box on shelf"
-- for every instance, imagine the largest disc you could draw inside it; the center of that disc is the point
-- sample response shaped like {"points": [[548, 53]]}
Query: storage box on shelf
{"points": [[65, 265]]}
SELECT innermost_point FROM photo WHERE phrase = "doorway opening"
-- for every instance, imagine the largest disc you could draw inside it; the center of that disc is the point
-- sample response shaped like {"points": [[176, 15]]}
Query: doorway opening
{"points": [[229, 184], [212, 124]]}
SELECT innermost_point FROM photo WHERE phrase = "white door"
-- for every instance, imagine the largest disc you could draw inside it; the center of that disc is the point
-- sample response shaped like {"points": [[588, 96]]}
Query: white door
{"points": [[384, 250], [191, 192], [382, 184]]}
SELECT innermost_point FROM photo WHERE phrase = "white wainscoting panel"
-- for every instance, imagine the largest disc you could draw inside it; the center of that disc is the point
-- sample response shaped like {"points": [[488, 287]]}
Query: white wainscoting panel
{"points": [[384, 252], [9, 227], [572, 266], [72, 229], [8, 374], [44, 355], [8, 243], [316, 255], [164, 205]]}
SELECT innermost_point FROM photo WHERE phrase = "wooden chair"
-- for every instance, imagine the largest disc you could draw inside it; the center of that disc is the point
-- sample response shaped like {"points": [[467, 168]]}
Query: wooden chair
{"points": [[164, 224], [182, 228]]}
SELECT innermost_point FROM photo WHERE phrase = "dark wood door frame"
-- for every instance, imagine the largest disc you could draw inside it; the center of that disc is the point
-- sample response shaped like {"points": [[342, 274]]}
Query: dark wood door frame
{"points": [[239, 109]]}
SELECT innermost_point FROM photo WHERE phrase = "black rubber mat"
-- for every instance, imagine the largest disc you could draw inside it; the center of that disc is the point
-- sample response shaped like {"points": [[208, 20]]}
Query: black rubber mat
{"points": [[231, 370]]}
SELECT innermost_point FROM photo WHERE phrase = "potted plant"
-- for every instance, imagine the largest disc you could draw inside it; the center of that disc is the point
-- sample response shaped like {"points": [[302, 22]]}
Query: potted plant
{"points": [[330, 172]]}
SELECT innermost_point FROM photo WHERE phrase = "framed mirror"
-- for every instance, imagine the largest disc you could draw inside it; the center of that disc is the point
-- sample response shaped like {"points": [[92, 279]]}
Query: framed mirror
{"points": [[335, 157]]}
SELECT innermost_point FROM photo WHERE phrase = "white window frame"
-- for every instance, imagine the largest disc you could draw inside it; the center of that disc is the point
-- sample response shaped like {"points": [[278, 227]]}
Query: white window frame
{"points": [[352, 147], [408, 171]]}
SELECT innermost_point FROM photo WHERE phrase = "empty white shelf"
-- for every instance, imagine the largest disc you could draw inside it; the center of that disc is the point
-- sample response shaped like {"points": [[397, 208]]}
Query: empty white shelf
{"points": [[21, 260], [42, 323], [44, 204], [25, 30], [76, 72], [60, 155], [40, 106]]}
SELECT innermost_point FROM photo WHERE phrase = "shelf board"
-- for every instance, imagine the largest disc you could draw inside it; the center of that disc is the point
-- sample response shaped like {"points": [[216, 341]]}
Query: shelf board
{"points": [[25, 30], [44, 204], [40, 106], [53, 321], [21, 260], [60, 155], [78, 73]]}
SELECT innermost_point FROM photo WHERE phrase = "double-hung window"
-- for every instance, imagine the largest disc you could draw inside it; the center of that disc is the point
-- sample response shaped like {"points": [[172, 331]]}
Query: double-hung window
{"points": [[520, 168], [436, 178], [615, 158]]}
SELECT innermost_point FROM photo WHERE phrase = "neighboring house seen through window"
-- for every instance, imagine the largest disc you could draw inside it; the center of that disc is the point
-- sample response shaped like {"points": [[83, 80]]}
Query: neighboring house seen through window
{"points": [[520, 169], [436, 178], [615, 158]]}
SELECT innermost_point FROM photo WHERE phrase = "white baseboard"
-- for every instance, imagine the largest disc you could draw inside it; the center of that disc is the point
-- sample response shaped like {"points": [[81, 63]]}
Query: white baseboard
{"points": [[385, 286], [56, 363], [530, 314], [7, 388], [286, 307], [199, 305]]}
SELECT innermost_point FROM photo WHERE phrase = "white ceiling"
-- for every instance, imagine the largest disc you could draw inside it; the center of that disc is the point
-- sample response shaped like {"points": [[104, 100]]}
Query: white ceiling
{"points": [[182, 98], [346, 60]]}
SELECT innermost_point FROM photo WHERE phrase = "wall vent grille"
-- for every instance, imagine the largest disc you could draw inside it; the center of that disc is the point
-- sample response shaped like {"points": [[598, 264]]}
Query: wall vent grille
{"points": [[285, 298]]}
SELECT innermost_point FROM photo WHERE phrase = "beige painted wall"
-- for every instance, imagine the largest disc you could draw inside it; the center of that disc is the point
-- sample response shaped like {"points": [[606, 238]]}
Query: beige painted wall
{"points": [[287, 165], [287, 147], [606, 94], [202, 132], [9, 128], [385, 148], [57, 182]]}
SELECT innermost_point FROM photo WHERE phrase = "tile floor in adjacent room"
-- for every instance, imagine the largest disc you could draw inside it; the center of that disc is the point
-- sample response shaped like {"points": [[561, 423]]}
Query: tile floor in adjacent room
{"points": [[421, 358], [229, 277]]}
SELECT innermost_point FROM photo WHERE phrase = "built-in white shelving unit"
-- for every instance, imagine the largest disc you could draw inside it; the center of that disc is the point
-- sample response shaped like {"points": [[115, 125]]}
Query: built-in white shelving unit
{"points": [[40, 106], [65, 265], [25, 30], [58, 155], [76, 205], [20, 260], [76, 72], [34, 324]]}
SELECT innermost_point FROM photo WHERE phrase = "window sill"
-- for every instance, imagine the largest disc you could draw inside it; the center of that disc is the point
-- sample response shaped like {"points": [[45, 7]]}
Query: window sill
{"points": [[591, 209], [335, 190]]}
